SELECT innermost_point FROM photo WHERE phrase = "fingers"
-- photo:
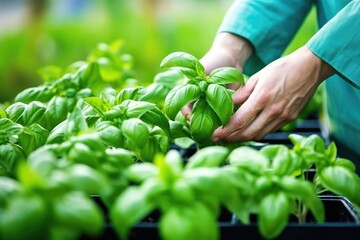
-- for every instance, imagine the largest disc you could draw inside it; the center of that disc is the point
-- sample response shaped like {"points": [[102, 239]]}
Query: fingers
{"points": [[186, 111], [256, 129], [244, 92], [238, 122]]}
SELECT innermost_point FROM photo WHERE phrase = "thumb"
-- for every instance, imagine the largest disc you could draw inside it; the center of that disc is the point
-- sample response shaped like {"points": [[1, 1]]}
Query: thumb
{"points": [[244, 92]]}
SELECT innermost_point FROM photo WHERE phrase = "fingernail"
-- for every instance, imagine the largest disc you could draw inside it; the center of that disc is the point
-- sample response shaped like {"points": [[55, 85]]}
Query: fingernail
{"points": [[215, 139]]}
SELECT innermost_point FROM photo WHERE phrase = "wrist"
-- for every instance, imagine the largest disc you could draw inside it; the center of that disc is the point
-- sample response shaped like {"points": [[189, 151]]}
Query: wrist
{"points": [[230, 50], [325, 70]]}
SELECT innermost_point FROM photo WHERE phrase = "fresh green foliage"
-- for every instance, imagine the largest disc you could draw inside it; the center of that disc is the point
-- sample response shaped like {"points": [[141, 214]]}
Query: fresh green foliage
{"points": [[85, 132], [213, 105]]}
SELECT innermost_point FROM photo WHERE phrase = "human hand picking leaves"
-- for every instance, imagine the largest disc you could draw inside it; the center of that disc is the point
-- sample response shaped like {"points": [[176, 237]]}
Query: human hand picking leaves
{"points": [[274, 96]]}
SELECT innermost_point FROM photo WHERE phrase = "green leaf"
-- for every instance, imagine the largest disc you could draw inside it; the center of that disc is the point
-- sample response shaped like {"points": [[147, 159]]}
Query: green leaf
{"points": [[41, 94], [193, 221], [136, 130], [75, 123], [180, 96], [141, 171], [33, 137], [249, 158], [90, 75], [131, 94], [203, 121], [331, 152], [208, 157], [10, 156], [174, 160], [285, 163], [110, 134], [274, 213], [33, 113], [341, 181], [25, 217], [82, 153], [56, 112], [28, 178], [178, 130], [135, 109], [168, 79], [156, 117], [226, 75], [346, 163], [120, 157], [304, 191], [8, 128], [85, 179], [3, 113], [220, 101], [76, 211], [184, 62], [57, 134], [8, 187], [15, 112], [98, 104], [126, 210]]}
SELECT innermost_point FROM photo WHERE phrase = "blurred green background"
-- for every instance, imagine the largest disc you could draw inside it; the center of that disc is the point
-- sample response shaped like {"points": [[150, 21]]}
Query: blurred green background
{"points": [[37, 33]]}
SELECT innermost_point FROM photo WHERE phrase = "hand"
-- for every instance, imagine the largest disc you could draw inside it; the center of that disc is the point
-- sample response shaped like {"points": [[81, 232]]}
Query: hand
{"points": [[228, 50], [274, 96]]}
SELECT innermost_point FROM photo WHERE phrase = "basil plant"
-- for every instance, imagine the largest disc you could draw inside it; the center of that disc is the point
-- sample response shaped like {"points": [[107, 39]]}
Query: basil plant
{"points": [[212, 101]]}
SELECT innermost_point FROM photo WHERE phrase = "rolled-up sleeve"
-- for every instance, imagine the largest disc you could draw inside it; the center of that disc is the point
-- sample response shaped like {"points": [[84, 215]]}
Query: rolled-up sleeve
{"points": [[269, 25], [338, 43]]}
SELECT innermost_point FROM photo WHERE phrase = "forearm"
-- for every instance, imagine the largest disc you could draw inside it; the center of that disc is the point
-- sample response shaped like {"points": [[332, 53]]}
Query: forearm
{"points": [[228, 50]]}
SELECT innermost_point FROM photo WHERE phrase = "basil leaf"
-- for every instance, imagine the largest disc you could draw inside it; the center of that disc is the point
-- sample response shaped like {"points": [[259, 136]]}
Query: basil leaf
{"points": [[30, 221], [184, 62], [126, 211], [208, 157], [156, 117], [75, 123], [341, 181], [193, 221], [225, 75], [10, 155], [141, 171], [135, 109], [33, 137], [90, 76], [56, 112], [136, 130], [33, 113], [8, 128], [110, 134], [220, 101], [249, 158], [85, 179], [180, 96], [203, 121], [274, 212], [131, 94], [76, 211], [304, 191], [98, 104], [15, 112], [41, 94]]}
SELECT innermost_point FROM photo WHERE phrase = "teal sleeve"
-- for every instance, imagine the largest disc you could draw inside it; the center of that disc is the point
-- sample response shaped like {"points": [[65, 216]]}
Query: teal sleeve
{"points": [[338, 43], [269, 25]]}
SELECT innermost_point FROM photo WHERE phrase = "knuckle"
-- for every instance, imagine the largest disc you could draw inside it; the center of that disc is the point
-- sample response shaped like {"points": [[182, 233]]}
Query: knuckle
{"points": [[239, 122], [276, 110]]}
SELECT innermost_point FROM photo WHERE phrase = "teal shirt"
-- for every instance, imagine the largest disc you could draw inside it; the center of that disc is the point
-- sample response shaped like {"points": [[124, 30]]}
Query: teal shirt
{"points": [[271, 24]]}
